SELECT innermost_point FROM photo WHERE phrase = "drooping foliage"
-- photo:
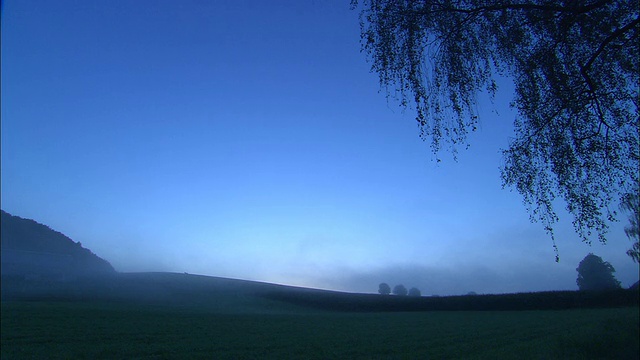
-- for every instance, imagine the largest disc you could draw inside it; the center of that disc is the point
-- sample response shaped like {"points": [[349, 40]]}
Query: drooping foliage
{"points": [[575, 66], [596, 274], [631, 204]]}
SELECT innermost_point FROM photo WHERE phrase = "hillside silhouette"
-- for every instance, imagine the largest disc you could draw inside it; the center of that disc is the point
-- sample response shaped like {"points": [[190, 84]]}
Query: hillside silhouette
{"points": [[31, 250], [39, 263]]}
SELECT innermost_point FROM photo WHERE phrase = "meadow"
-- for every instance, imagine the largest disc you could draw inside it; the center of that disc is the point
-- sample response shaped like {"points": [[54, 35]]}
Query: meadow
{"points": [[190, 317], [90, 330]]}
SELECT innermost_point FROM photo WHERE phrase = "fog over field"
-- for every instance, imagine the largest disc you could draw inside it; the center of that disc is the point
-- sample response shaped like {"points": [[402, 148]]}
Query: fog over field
{"points": [[249, 140]]}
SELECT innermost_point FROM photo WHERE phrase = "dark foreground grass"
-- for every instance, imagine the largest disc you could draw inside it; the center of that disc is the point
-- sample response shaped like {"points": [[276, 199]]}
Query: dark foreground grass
{"points": [[90, 330]]}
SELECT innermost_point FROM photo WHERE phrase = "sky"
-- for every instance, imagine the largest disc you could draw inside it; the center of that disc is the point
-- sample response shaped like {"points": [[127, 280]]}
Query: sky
{"points": [[248, 139]]}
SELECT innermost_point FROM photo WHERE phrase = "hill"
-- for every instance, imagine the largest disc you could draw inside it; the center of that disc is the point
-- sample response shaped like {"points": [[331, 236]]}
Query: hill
{"points": [[35, 251], [198, 293], [39, 263]]}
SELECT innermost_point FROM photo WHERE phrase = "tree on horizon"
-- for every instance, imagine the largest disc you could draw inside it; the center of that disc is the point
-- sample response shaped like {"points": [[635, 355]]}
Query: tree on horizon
{"points": [[596, 274], [384, 289], [399, 290]]}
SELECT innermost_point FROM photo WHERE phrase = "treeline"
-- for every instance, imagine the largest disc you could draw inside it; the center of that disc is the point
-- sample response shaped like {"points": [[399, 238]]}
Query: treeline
{"points": [[551, 300], [400, 290]]}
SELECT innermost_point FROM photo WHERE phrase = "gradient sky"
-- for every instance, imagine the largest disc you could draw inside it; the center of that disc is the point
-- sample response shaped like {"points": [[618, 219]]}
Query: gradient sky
{"points": [[248, 139]]}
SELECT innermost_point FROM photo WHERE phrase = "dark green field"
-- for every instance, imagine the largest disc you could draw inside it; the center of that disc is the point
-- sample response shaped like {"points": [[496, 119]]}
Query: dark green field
{"points": [[102, 330], [234, 323]]}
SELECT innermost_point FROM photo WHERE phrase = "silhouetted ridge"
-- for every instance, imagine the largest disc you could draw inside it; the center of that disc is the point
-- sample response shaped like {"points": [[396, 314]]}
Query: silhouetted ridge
{"points": [[31, 249]]}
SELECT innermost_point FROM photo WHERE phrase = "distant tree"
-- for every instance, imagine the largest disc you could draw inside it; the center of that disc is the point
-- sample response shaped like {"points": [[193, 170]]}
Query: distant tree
{"points": [[400, 290], [596, 274], [471, 293], [631, 204], [384, 289], [575, 67], [414, 292]]}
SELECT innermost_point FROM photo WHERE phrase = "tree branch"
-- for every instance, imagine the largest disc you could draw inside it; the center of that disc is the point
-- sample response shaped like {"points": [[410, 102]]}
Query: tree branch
{"points": [[502, 7], [606, 42]]}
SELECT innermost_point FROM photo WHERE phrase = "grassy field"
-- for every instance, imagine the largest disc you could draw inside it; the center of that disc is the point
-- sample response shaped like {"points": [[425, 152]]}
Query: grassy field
{"points": [[118, 330]]}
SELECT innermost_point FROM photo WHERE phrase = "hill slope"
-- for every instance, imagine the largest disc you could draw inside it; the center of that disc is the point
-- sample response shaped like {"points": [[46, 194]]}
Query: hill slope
{"points": [[39, 263], [32, 249], [198, 293]]}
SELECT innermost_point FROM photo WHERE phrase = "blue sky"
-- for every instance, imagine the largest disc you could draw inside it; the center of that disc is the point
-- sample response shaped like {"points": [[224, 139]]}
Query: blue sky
{"points": [[248, 139]]}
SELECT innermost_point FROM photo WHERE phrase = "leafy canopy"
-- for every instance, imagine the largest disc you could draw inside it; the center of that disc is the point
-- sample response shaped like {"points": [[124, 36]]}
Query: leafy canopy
{"points": [[414, 292], [384, 289], [400, 290], [631, 204], [596, 274], [575, 67]]}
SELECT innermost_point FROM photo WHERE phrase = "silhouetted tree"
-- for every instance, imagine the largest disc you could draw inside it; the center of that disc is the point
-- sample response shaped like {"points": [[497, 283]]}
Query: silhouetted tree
{"points": [[596, 274], [384, 289], [400, 290], [414, 292], [575, 66], [472, 293], [631, 204]]}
